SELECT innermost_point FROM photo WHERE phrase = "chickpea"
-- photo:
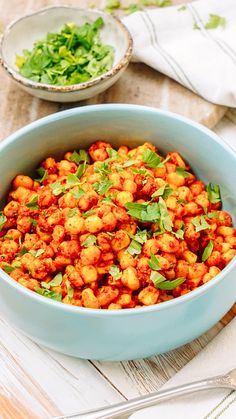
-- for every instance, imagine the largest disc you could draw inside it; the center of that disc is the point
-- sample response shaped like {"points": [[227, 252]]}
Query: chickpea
{"points": [[109, 222], [116, 180], [214, 259], [225, 231], [88, 200], [66, 167], [182, 269], [190, 257], [106, 295], [104, 242], [58, 233], [98, 152], [88, 299], [50, 165], [93, 224], [167, 243], [191, 208], [22, 180], [120, 214], [114, 306], [130, 186], [125, 300], [213, 271], [23, 224], [185, 193], [11, 209], [228, 256], [74, 225], [171, 202], [67, 201], [202, 199], [126, 259], [74, 276], [151, 246], [123, 197], [175, 179], [197, 271], [69, 248], [149, 296], [90, 255], [120, 241], [130, 279], [89, 274], [21, 194]]}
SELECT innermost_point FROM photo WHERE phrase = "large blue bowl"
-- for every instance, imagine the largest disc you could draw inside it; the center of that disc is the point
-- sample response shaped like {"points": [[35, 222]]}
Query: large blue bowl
{"points": [[130, 333]]}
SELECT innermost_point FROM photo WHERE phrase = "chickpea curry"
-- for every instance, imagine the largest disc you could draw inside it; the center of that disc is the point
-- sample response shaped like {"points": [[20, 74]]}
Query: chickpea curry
{"points": [[111, 229]]}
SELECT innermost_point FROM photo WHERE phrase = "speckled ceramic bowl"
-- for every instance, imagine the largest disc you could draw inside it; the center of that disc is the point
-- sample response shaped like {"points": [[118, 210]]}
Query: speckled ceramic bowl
{"points": [[22, 33]]}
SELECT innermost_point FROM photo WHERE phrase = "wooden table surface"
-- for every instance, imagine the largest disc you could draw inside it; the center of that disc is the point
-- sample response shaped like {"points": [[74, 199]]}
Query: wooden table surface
{"points": [[36, 382]]}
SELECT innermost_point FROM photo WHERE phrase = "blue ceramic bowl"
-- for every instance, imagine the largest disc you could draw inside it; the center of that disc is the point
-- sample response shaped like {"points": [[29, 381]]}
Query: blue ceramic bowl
{"points": [[130, 333]]}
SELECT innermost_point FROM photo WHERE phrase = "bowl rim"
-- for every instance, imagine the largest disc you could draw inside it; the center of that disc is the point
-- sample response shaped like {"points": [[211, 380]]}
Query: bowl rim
{"points": [[122, 63], [195, 294]]}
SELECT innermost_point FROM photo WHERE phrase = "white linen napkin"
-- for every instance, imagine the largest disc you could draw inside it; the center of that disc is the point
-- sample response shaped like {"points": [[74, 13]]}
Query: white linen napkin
{"points": [[218, 357], [203, 60]]}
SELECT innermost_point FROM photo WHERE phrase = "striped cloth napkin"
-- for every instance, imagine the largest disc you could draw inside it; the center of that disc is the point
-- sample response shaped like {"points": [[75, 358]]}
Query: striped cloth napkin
{"points": [[218, 357], [178, 42]]}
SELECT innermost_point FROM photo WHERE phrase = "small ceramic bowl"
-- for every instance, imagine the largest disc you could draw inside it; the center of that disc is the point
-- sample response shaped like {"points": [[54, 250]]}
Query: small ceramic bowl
{"points": [[22, 33]]}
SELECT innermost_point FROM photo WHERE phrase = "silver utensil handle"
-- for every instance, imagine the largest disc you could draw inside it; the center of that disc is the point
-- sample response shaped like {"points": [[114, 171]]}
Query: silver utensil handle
{"points": [[130, 406]]}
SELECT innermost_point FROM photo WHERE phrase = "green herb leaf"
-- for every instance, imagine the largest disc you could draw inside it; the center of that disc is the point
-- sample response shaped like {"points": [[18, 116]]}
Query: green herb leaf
{"points": [[215, 21], [164, 215], [180, 232], [141, 236], [22, 252], [55, 282], [213, 215], [37, 253], [82, 156], [181, 201], [213, 193], [89, 241], [103, 186], [141, 171], [170, 285], [34, 222], [200, 223], [57, 188], [8, 269], [72, 212], [42, 173], [72, 181], [108, 200], [113, 154], [78, 193], [49, 294], [33, 203], [115, 272], [3, 220], [70, 290], [130, 162], [157, 278], [134, 248], [154, 263], [164, 191], [151, 158], [144, 212], [181, 172], [102, 167], [207, 251], [87, 214]]}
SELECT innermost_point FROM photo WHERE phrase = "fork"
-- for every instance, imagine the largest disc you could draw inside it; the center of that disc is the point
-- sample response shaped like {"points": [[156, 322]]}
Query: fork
{"points": [[227, 380]]}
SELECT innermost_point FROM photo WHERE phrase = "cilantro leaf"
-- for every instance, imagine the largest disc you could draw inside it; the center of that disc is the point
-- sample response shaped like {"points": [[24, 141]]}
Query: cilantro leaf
{"points": [[90, 241], [141, 236], [157, 278], [134, 248], [151, 158], [207, 251], [88, 213], [78, 193], [154, 263], [144, 212], [70, 290], [215, 21], [22, 252], [113, 154], [165, 191], [34, 222], [33, 203], [72, 212], [82, 156], [102, 167], [72, 180], [8, 268], [200, 223], [57, 188], [49, 294], [42, 173], [55, 282], [115, 272], [182, 172], [213, 193], [180, 232], [37, 253], [3, 220], [103, 186], [170, 285], [164, 215]]}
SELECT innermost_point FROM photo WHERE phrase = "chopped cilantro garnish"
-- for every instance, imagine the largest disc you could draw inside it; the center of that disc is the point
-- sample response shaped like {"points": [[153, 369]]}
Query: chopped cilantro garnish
{"points": [[81, 169], [79, 157], [108, 200], [72, 212], [42, 173], [71, 56], [78, 193], [89, 241], [215, 21], [57, 188], [129, 163], [70, 290], [207, 251], [154, 263], [102, 167], [165, 191], [134, 248], [181, 201], [3, 220], [103, 186], [164, 215], [212, 214], [200, 223], [37, 253], [170, 285], [33, 203], [113, 154], [8, 269], [88, 213], [180, 232], [157, 278], [115, 272], [34, 222], [141, 236], [213, 193], [55, 282], [22, 252], [72, 180], [181, 172], [144, 212], [49, 294], [151, 158]]}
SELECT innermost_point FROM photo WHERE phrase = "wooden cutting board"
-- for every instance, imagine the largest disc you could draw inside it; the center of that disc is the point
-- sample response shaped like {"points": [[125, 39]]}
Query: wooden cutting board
{"points": [[139, 84]]}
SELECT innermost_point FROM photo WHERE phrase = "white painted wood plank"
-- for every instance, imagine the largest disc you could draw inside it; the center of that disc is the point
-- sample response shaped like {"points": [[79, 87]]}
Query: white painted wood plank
{"points": [[46, 382]]}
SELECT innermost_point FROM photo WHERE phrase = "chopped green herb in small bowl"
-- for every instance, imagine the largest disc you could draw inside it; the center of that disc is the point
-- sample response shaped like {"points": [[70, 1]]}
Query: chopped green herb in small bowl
{"points": [[66, 54]]}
